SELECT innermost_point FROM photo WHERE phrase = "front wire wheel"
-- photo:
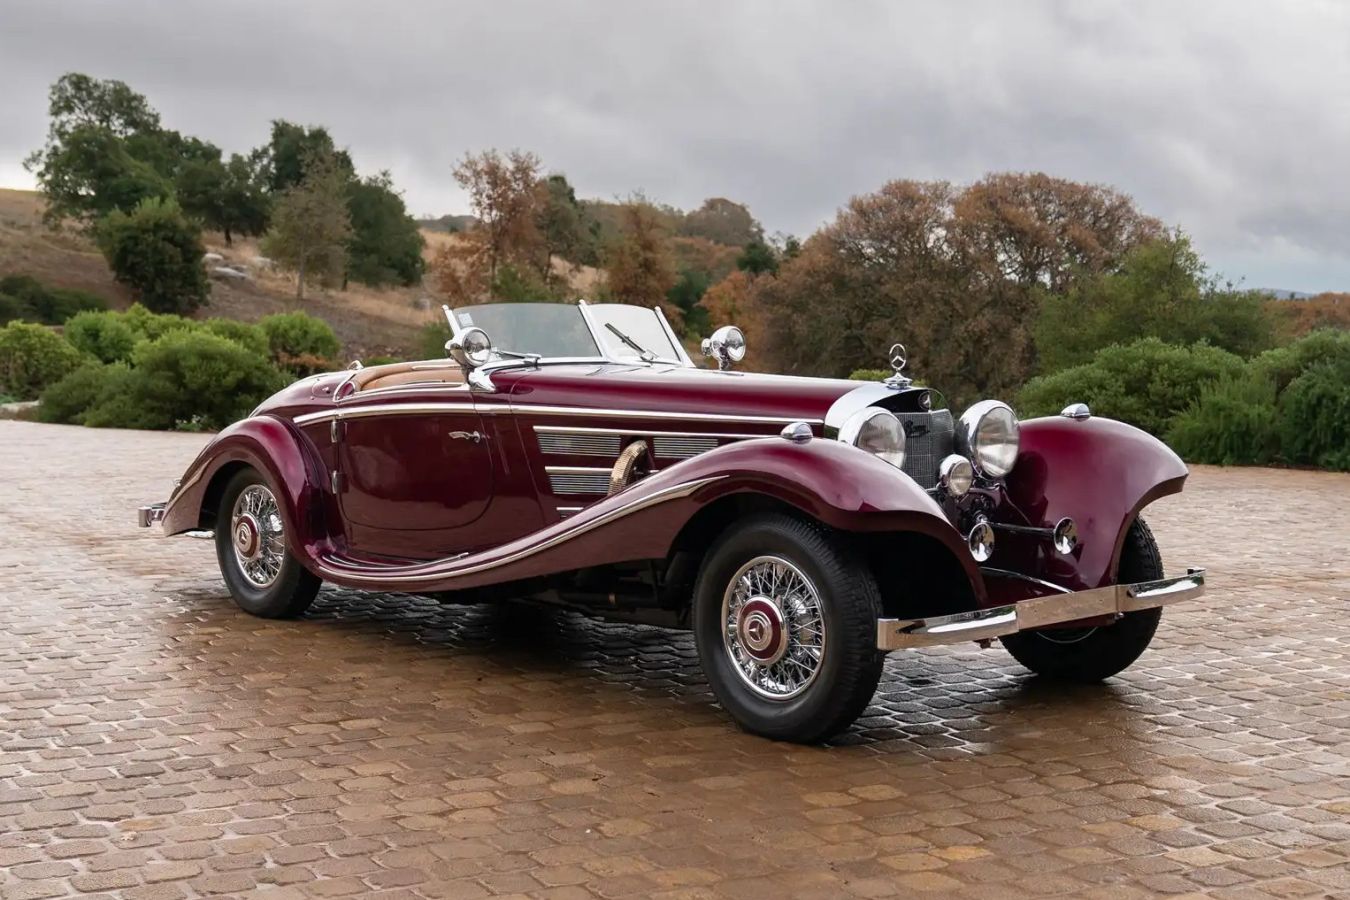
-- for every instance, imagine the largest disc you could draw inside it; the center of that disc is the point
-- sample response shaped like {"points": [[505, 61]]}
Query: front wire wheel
{"points": [[773, 627], [785, 620], [1088, 655], [262, 575]]}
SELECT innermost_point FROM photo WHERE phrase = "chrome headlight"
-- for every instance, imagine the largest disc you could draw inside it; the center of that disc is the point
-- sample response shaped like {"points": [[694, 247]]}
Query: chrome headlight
{"points": [[988, 433], [877, 431]]}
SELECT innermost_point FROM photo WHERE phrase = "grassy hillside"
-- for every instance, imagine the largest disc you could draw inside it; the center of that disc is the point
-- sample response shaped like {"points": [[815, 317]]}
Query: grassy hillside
{"points": [[368, 322]]}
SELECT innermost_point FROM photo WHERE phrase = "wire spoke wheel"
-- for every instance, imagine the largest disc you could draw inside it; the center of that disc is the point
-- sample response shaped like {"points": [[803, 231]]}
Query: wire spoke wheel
{"points": [[773, 627], [258, 535]]}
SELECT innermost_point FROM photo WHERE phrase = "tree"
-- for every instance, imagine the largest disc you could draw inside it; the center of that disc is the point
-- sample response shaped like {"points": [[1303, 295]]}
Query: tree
{"points": [[87, 167], [386, 246], [956, 274], [504, 194], [639, 268], [311, 224], [158, 252], [686, 295], [289, 150], [722, 221], [245, 204], [757, 257], [564, 229], [734, 301], [1160, 289]]}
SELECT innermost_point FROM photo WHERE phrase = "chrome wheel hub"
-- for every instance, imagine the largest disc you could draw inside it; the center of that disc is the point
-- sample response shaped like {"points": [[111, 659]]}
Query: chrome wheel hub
{"points": [[773, 627], [257, 535]]}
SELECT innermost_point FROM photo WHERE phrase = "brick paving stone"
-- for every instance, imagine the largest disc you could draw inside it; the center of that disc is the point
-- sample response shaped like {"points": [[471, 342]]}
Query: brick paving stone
{"points": [[157, 743]]}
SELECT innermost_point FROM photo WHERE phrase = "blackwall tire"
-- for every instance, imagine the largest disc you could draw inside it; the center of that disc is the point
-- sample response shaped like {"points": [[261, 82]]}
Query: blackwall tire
{"points": [[1098, 653], [774, 571], [262, 575]]}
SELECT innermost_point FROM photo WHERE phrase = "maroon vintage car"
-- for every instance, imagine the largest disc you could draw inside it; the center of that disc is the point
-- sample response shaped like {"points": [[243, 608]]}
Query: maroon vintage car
{"points": [[801, 527]]}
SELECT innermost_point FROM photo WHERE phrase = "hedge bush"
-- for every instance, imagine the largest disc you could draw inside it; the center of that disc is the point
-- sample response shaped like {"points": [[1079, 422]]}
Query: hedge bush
{"points": [[106, 336], [1146, 383], [250, 337], [33, 357], [300, 343], [29, 299], [189, 378], [67, 401], [1292, 405]]}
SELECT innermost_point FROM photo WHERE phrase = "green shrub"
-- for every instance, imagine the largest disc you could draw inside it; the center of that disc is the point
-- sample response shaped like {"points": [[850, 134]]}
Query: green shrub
{"points": [[1315, 416], [1146, 383], [431, 340], [250, 337], [35, 302], [150, 325], [1283, 364], [67, 401], [379, 361], [1233, 422], [106, 336], [33, 357], [188, 377], [10, 309], [300, 343], [158, 252], [870, 375]]}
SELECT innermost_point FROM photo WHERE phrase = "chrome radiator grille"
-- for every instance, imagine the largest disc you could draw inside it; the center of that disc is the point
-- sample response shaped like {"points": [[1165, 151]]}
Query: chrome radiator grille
{"points": [[929, 436]]}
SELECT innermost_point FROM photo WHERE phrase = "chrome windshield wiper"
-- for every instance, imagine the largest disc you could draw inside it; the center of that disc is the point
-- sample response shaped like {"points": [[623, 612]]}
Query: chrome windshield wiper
{"points": [[643, 354]]}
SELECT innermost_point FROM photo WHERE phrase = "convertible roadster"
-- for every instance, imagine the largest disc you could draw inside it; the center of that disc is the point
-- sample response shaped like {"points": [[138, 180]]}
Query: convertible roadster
{"points": [[801, 527]]}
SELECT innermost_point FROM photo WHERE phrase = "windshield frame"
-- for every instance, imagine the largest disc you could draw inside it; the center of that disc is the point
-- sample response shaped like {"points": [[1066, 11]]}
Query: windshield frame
{"points": [[601, 341]]}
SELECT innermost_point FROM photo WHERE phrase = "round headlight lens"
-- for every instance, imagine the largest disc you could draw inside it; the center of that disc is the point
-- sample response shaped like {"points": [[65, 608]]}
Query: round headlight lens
{"points": [[474, 346], [877, 431], [989, 434]]}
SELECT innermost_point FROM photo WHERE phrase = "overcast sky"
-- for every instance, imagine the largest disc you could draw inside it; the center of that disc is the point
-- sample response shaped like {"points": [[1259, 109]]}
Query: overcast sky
{"points": [[1231, 119]]}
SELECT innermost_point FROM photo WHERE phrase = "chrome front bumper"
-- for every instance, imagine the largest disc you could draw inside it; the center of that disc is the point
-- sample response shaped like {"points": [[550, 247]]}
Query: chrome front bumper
{"points": [[149, 515], [1040, 612]]}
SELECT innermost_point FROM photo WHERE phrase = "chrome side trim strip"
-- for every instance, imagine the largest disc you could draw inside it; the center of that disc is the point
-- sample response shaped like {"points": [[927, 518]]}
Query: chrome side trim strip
{"points": [[578, 470], [403, 409], [1039, 612], [460, 566]]}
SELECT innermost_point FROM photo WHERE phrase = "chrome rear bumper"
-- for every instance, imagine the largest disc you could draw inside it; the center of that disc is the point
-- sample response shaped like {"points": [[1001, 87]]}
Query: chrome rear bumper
{"points": [[149, 515], [1040, 612]]}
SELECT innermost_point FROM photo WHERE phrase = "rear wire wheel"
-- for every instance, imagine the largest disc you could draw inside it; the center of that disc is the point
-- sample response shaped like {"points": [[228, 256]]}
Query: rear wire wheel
{"points": [[785, 619], [262, 575]]}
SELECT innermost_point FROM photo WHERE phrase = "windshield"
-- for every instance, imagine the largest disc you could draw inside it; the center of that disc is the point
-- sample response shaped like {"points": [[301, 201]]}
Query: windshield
{"points": [[561, 331], [551, 330], [641, 327]]}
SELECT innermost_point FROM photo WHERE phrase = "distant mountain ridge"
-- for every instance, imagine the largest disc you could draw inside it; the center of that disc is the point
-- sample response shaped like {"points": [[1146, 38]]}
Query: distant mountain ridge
{"points": [[1282, 294]]}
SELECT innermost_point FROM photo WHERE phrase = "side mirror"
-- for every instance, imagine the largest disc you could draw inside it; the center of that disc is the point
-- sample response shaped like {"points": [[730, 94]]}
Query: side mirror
{"points": [[471, 348], [727, 346]]}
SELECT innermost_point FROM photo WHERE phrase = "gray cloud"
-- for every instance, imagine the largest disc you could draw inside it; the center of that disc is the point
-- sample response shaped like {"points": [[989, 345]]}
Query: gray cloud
{"points": [[1231, 119]]}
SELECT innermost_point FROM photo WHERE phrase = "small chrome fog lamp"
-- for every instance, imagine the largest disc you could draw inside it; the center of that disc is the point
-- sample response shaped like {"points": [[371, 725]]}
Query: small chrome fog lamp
{"points": [[1065, 535], [980, 540], [727, 346], [470, 348], [956, 475]]}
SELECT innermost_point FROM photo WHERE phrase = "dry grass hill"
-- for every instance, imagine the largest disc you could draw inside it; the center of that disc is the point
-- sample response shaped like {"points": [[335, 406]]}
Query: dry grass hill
{"points": [[368, 321]]}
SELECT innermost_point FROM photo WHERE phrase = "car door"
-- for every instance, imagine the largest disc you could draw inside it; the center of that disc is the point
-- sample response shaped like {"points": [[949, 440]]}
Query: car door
{"points": [[414, 470]]}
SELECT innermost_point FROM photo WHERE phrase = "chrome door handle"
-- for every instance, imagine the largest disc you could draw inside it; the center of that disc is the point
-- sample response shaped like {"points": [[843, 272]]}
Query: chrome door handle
{"points": [[466, 436]]}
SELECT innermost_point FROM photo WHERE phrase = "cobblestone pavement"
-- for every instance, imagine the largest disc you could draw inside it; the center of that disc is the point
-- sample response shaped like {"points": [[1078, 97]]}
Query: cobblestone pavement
{"points": [[155, 742]]}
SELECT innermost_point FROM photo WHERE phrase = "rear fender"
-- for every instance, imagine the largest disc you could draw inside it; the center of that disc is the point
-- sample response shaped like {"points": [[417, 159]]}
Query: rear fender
{"points": [[286, 458], [1099, 472]]}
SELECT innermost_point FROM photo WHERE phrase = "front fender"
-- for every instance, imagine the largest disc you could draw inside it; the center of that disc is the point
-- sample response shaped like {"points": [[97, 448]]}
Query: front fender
{"points": [[274, 447], [1099, 472]]}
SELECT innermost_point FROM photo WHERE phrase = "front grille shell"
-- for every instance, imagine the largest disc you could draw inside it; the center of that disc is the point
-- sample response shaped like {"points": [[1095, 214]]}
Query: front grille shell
{"points": [[929, 438]]}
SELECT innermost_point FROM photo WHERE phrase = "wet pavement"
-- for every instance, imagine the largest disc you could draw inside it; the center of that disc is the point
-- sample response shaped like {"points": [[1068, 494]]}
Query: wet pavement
{"points": [[155, 742]]}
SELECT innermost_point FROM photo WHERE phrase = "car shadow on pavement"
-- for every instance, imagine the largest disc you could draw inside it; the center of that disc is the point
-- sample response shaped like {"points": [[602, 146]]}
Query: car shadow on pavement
{"points": [[943, 704]]}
